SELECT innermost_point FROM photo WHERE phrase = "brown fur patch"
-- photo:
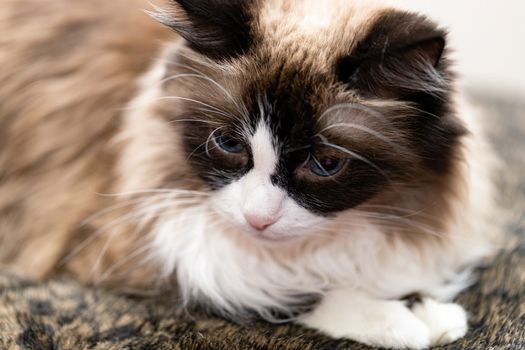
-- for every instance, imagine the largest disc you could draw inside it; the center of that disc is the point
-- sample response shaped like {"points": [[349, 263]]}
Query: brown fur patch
{"points": [[68, 72]]}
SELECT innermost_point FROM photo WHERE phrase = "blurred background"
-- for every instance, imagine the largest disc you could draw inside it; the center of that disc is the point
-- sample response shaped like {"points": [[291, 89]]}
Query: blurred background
{"points": [[488, 38]]}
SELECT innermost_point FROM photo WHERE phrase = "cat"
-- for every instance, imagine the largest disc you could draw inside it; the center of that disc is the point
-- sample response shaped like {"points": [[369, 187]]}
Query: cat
{"points": [[298, 160]]}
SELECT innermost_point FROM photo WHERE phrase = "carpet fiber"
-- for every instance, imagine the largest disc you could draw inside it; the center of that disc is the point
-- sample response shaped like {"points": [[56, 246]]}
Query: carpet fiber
{"points": [[61, 314]]}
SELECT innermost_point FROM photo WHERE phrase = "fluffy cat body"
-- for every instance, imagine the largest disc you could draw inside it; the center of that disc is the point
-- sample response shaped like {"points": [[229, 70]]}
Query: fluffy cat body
{"points": [[127, 184]]}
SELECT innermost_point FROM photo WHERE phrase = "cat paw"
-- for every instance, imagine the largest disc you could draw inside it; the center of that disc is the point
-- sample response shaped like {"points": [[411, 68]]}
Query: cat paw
{"points": [[388, 325], [398, 329], [447, 322]]}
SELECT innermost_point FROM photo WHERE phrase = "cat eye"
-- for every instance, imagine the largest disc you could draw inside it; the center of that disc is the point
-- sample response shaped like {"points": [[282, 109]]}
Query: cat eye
{"points": [[325, 166], [228, 144]]}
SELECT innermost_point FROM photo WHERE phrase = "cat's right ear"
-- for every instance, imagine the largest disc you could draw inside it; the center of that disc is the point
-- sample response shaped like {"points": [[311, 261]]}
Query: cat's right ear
{"points": [[219, 29], [403, 54]]}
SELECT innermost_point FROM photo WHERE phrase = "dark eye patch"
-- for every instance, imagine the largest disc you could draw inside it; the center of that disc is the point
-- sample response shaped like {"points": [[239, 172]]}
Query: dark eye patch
{"points": [[217, 152], [325, 178]]}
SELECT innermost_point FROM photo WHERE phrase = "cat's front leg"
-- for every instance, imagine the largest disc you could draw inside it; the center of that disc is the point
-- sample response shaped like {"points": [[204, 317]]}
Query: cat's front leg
{"points": [[387, 323]]}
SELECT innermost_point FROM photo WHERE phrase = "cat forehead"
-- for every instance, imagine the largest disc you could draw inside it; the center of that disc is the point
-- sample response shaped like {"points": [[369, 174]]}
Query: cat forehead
{"points": [[309, 17], [320, 27], [297, 44]]}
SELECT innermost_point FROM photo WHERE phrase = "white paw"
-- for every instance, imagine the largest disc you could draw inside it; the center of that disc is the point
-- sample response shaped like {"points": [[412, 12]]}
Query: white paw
{"points": [[447, 322], [388, 324], [397, 329]]}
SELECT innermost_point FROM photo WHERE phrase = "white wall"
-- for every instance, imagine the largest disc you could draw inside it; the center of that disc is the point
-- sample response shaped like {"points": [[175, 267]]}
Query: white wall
{"points": [[488, 37]]}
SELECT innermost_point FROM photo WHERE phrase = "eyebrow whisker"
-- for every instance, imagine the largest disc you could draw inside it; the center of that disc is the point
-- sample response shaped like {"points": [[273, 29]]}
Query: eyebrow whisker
{"points": [[354, 155], [362, 128], [355, 106]]}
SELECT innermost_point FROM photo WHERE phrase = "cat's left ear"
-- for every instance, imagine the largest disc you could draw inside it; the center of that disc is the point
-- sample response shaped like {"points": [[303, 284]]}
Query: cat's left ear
{"points": [[402, 54], [403, 58], [218, 29]]}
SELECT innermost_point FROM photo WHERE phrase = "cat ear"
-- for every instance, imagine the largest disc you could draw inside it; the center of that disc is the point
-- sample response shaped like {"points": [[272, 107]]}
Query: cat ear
{"points": [[403, 57], [216, 28], [402, 54]]}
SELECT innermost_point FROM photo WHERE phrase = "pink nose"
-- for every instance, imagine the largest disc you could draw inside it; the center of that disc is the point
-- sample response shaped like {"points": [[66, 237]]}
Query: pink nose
{"points": [[259, 222]]}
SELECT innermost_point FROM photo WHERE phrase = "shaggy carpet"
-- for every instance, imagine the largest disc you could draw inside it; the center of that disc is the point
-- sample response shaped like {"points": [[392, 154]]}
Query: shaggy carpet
{"points": [[61, 314]]}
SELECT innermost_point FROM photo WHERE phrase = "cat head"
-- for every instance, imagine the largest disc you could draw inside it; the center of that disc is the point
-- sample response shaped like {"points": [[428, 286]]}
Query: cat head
{"points": [[290, 113]]}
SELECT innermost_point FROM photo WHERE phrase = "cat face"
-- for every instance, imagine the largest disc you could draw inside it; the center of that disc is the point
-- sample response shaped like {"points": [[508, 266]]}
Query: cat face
{"points": [[291, 113]]}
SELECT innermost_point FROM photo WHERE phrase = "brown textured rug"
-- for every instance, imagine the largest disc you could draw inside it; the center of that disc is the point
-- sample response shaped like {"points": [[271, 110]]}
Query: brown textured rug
{"points": [[61, 314]]}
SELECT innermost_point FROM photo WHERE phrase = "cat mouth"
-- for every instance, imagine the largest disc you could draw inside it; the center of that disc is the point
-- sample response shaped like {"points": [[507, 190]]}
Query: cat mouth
{"points": [[269, 238]]}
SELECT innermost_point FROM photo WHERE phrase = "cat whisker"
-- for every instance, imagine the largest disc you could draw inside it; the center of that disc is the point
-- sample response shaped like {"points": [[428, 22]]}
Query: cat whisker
{"points": [[143, 215], [403, 227], [207, 149], [172, 191], [223, 113], [355, 106], [202, 60], [134, 254], [211, 122], [389, 221], [354, 155], [92, 238], [149, 212], [209, 139], [207, 78], [114, 207], [185, 66], [381, 215], [135, 214], [406, 212], [212, 108], [414, 108], [368, 130], [103, 251], [200, 75]]}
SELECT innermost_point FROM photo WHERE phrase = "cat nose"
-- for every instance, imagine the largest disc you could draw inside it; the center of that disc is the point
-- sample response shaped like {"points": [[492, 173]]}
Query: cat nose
{"points": [[259, 222]]}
